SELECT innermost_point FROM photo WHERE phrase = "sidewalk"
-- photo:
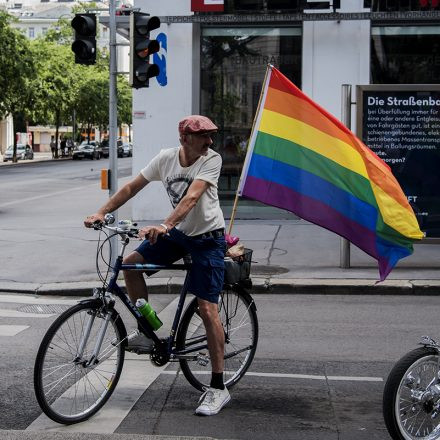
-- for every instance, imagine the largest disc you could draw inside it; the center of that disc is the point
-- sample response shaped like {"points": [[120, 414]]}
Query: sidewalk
{"points": [[38, 157], [289, 257]]}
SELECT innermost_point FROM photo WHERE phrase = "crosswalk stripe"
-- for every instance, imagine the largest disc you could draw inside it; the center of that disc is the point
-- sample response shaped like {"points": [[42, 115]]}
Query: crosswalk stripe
{"points": [[12, 330], [135, 379], [8, 313], [31, 299]]}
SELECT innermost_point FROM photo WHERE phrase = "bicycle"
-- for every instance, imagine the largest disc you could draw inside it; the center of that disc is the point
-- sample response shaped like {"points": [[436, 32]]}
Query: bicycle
{"points": [[411, 397], [81, 356]]}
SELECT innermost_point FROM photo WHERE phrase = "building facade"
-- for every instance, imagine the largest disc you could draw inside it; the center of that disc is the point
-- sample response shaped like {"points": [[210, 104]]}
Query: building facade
{"points": [[35, 18], [215, 64]]}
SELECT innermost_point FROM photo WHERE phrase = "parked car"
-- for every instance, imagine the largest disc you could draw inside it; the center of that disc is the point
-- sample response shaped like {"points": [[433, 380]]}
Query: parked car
{"points": [[105, 148], [88, 143], [23, 152], [87, 151], [125, 150]]}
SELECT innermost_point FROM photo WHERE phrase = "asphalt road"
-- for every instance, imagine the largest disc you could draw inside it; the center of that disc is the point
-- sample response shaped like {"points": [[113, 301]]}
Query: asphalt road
{"points": [[318, 373], [45, 203]]}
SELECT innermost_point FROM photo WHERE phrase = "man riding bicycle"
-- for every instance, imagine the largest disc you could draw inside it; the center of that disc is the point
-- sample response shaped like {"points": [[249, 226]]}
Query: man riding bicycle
{"points": [[195, 226]]}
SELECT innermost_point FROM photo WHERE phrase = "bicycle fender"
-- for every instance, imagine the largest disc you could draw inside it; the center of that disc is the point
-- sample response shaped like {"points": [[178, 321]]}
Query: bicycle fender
{"points": [[247, 295], [93, 302]]}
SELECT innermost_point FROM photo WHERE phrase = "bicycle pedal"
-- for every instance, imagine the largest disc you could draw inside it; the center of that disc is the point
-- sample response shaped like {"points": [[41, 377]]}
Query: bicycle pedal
{"points": [[202, 359]]}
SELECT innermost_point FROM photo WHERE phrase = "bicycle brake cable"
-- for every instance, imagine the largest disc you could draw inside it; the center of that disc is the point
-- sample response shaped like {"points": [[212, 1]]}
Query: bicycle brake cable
{"points": [[99, 253]]}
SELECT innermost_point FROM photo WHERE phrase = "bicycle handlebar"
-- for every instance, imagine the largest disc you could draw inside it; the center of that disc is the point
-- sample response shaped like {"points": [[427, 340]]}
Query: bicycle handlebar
{"points": [[124, 227]]}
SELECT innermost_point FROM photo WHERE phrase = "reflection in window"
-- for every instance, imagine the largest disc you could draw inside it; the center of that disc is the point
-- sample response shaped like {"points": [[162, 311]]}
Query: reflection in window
{"points": [[263, 6], [402, 5], [233, 65], [405, 55]]}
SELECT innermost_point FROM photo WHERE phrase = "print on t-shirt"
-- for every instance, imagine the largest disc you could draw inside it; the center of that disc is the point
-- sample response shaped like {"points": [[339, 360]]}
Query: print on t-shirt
{"points": [[177, 187]]}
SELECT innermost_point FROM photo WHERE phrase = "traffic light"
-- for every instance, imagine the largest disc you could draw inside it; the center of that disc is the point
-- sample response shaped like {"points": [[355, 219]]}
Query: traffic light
{"points": [[84, 45], [141, 47]]}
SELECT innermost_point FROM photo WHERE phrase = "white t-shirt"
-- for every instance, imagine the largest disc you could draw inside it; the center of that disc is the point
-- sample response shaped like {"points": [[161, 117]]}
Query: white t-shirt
{"points": [[206, 215]]}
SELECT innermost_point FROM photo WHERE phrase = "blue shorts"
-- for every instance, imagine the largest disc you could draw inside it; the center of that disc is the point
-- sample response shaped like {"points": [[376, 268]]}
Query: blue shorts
{"points": [[207, 255]]}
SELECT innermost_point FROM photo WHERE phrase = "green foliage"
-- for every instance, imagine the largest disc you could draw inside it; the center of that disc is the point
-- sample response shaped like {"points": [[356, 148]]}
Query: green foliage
{"points": [[16, 69], [40, 79]]}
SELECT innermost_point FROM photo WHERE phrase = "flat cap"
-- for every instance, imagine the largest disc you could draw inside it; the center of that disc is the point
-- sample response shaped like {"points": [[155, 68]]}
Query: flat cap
{"points": [[196, 124]]}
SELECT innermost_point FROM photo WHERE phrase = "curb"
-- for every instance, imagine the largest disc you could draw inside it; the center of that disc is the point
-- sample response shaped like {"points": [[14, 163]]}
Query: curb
{"points": [[34, 161], [276, 286]]}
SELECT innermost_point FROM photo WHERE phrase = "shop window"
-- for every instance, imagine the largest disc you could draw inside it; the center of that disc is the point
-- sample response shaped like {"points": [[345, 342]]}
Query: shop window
{"points": [[402, 5], [233, 65], [263, 6], [405, 55]]}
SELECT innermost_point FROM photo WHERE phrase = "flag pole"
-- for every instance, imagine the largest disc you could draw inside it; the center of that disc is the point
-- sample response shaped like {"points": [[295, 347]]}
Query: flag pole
{"points": [[234, 207]]}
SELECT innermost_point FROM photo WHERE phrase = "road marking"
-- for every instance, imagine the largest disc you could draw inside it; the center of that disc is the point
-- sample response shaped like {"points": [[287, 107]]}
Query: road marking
{"points": [[295, 376], [28, 299], [7, 313], [42, 196], [135, 379], [12, 330]]}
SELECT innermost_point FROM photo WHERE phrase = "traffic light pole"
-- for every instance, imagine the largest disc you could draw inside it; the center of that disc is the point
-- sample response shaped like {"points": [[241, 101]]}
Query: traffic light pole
{"points": [[113, 120]]}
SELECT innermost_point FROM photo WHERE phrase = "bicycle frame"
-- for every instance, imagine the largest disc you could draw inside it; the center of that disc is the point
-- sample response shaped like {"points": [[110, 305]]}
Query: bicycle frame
{"points": [[114, 289]]}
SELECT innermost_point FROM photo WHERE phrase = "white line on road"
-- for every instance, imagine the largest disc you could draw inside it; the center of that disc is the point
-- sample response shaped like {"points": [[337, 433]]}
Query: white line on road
{"points": [[12, 330], [7, 313], [42, 196], [29, 299], [297, 376]]}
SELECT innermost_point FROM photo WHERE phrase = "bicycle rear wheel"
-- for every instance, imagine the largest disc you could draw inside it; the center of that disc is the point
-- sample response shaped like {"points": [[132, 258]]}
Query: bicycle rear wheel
{"points": [[69, 385], [239, 319]]}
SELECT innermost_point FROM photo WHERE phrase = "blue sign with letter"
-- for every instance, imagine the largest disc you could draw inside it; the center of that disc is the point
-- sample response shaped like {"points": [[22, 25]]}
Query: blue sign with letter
{"points": [[160, 59]]}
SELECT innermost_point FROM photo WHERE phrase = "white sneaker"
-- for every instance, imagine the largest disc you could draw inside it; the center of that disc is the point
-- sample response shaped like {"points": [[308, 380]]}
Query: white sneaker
{"points": [[212, 401], [140, 344]]}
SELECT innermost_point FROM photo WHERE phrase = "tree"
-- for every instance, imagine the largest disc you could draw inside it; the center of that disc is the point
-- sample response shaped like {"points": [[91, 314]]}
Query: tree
{"points": [[54, 87], [92, 108], [125, 98], [17, 72]]}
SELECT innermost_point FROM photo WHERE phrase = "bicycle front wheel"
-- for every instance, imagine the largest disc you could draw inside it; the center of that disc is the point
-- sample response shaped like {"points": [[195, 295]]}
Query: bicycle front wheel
{"points": [[238, 316], [70, 384], [411, 399]]}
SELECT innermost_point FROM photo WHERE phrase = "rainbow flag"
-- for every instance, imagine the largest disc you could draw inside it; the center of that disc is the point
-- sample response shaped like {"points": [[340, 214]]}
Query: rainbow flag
{"points": [[302, 159]]}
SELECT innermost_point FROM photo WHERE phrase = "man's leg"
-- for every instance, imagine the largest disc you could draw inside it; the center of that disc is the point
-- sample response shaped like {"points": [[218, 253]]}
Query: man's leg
{"points": [[134, 280], [214, 333], [137, 288], [216, 396]]}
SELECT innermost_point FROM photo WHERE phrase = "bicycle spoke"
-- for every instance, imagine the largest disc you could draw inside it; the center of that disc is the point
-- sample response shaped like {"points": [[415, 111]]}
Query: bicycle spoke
{"points": [[239, 323]]}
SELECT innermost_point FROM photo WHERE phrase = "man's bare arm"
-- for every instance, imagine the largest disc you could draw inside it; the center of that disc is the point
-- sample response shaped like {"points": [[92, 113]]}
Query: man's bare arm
{"points": [[127, 192], [195, 191]]}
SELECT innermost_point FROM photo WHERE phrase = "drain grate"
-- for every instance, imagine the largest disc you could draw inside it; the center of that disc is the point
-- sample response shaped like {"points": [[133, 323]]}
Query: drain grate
{"points": [[44, 308]]}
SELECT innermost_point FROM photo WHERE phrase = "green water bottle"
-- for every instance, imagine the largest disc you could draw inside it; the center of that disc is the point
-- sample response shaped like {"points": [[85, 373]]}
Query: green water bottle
{"points": [[149, 314]]}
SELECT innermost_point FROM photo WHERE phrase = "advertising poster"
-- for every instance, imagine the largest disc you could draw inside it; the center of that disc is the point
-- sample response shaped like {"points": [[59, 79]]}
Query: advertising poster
{"points": [[401, 124]]}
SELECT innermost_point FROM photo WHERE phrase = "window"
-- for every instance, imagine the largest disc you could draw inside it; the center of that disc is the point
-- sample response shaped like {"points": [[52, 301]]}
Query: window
{"points": [[31, 32], [44, 31], [233, 65], [405, 55], [402, 5], [263, 6]]}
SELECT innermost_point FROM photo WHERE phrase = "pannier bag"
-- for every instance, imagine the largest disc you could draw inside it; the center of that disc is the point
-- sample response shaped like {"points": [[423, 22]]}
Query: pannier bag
{"points": [[238, 268]]}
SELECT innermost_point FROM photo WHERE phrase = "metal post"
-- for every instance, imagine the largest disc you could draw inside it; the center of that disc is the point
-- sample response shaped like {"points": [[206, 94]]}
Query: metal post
{"points": [[346, 120], [113, 120]]}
